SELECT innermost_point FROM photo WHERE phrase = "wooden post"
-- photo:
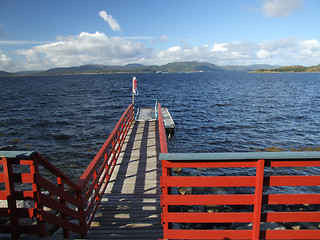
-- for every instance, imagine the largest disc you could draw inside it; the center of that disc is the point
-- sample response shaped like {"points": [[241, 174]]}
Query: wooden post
{"points": [[258, 200], [10, 190], [63, 202], [38, 205]]}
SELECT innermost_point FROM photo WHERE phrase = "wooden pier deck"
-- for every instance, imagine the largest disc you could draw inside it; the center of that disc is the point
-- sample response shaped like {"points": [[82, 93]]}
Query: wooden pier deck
{"points": [[130, 208]]}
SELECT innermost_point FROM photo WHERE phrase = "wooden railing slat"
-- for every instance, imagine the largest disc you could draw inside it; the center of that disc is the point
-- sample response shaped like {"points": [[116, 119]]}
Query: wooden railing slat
{"points": [[53, 189]]}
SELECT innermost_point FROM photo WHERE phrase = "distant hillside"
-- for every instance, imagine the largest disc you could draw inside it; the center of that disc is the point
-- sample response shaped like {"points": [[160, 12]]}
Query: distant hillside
{"points": [[313, 68], [91, 68], [4, 74], [189, 67], [249, 68], [296, 68], [170, 67], [27, 72]]}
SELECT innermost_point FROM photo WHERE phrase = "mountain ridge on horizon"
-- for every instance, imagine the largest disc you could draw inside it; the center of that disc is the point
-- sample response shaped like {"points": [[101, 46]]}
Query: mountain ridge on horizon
{"points": [[185, 66]]}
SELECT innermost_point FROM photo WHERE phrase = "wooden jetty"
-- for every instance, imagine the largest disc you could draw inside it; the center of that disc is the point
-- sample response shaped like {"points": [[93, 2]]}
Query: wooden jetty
{"points": [[118, 195], [130, 207]]}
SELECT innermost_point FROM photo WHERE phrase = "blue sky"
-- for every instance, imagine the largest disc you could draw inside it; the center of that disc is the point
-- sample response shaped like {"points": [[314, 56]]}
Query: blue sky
{"points": [[43, 34]]}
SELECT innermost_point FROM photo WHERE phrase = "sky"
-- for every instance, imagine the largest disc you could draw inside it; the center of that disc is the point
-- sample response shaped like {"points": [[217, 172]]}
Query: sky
{"points": [[44, 34]]}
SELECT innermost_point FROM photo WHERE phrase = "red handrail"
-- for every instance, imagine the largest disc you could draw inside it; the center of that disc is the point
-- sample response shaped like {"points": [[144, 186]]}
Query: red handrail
{"points": [[162, 131], [95, 178], [126, 117], [165, 171], [67, 201], [260, 204]]}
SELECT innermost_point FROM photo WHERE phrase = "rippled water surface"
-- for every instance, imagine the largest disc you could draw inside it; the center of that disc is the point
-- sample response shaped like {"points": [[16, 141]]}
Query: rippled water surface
{"points": [[68, 118]]}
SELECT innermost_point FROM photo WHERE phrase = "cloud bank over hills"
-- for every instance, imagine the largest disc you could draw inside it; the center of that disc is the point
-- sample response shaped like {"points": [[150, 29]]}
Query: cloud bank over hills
{"points": [[97, 48], [109, 49]]}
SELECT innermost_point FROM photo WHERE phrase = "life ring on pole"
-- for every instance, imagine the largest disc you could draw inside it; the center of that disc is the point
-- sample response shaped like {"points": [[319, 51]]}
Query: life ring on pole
{"points": [[134, 86]]}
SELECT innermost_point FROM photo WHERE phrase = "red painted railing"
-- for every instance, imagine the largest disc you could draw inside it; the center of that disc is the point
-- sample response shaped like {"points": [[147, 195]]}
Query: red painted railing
{"points": [[61, 202], [238, 206], [165, 171], [94, 180], [162, 132]]}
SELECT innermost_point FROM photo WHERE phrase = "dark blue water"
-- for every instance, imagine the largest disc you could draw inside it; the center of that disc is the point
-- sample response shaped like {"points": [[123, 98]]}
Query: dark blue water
{"points": [[68, 118]]}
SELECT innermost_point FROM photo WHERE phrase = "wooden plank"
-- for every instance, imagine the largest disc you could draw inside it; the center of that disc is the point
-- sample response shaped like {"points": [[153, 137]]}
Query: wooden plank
{"points": [[291, 234], [234, 199], [167, 119], [130, 207], [111, 223], [16, 154], [291, 217], [207, 164], [291, 199], [293, 181], [229, 181], [241, 156], [125, 217], [207, 217], [146, 114], [132, 204], [208, 234]]}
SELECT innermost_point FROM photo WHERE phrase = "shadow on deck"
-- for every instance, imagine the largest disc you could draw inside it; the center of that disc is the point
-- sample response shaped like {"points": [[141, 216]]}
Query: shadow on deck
{"points": [[130, 208]]}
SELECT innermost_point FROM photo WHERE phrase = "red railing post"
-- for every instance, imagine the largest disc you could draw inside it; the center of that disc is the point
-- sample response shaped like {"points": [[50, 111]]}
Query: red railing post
{"points": [[63, 202], [258, 199], [38, 205], [166, 172], [96, 186], [9, 186], [162, 132], [101, 167], [82, 221]]}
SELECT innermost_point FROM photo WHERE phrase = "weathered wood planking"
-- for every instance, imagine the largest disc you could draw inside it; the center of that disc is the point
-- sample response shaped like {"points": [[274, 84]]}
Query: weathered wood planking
{"points": [[167, 119], [130, 208], [146, 114]]}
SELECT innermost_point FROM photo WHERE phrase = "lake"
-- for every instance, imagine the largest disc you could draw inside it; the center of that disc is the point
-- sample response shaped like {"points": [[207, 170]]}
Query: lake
{"points": [[68, 118]]}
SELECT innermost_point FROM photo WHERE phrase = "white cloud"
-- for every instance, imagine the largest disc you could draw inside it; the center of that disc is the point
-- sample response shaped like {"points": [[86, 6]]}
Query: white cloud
{"points": [[4, 59], [281, 8], [6, 63], [263, 54], [219, 47], [85, 48], [97, 48], [287, 51], [114, 25], [309, 49]]}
